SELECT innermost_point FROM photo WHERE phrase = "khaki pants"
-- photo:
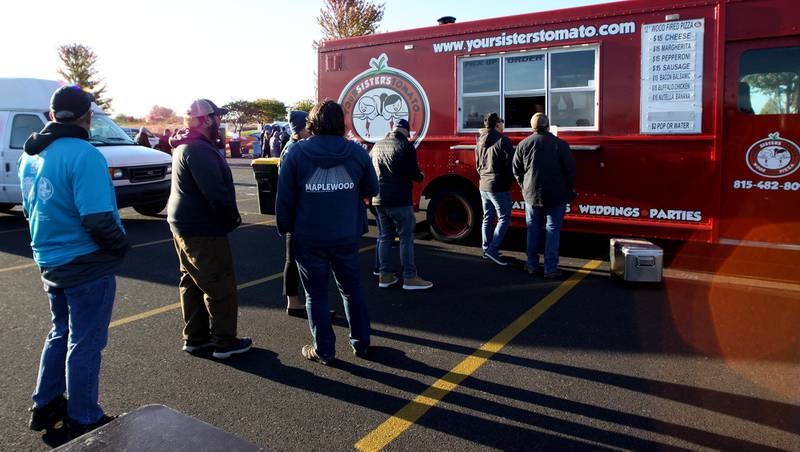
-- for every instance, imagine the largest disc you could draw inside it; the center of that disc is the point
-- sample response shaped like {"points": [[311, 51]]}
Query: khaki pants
{"points": [[209, 299]]}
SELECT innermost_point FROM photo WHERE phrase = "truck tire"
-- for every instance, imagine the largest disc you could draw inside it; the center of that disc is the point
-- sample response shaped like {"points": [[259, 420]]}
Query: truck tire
{"points": [[454, 216], [5, 207], [152, 209]]}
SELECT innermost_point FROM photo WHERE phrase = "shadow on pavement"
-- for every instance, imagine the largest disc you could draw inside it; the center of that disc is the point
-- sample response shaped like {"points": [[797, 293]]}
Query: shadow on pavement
{"points": [[266, 364], [779, 415]]}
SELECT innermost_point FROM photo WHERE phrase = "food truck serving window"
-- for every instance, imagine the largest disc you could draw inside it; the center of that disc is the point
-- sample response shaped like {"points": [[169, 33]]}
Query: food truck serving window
{"points": [[769, 81], [559, 82]]}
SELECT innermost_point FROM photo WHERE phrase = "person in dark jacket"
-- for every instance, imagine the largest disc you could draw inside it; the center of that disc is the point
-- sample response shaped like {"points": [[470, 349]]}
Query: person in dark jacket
{"points": [[285, 137], [78, 243], [201, 212], [395, 161], [321, 186], [275, 142], [163, 142], [291, 276], [545, 169], [494, 156], [141, 138]]}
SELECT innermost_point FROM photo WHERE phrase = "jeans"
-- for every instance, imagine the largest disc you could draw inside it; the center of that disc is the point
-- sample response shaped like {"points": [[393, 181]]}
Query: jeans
{"points": [[71, 355], [495, 204], [533, 217], [315, 263], [397, 221]]}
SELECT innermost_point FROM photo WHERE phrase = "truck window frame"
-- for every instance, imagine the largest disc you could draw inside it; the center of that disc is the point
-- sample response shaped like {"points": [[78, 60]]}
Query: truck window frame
{"points": [[13, 134], [548, 91], [746, 93]]}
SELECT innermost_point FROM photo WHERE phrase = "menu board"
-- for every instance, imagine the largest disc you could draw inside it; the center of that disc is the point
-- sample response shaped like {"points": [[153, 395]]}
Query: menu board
{"points": [[672, 77]]}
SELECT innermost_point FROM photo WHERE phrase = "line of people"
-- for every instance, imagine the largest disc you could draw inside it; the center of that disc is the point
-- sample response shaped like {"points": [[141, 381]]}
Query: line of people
{"points": [[544, 168], [79, 242]]}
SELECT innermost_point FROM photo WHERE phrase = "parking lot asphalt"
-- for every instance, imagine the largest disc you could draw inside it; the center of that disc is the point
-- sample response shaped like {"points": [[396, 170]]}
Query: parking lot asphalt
{"points": [[490, 358]]}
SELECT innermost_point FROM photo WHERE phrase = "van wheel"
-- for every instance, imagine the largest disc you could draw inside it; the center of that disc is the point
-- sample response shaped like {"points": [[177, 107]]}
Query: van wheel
{"points": [[5, 207], [152, 209], [453, 216]]}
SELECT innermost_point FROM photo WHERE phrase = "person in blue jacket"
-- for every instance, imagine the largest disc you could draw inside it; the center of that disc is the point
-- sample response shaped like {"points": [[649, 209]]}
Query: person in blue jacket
{"points": [[78, 243], [321, 187]]}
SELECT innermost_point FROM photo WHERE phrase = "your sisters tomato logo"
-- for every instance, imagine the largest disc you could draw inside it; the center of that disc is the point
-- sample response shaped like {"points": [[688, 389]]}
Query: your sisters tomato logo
{"points": [[377, 98], [773, 156]]}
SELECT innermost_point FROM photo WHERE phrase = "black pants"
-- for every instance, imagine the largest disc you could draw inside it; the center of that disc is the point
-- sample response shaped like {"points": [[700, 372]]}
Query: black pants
{"points": [[290, 274]]}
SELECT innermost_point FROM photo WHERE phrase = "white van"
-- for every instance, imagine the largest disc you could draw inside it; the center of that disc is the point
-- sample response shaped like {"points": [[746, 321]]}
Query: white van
{"points": [[141, 175]]}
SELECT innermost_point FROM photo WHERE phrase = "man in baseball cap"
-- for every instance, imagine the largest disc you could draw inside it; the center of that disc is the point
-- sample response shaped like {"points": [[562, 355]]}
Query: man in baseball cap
{"points": [[78, 243], [201, 213], [204, 107]]}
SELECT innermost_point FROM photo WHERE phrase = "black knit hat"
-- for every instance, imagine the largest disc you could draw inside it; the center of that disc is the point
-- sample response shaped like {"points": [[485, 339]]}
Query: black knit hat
{"points": [[69, 103]]}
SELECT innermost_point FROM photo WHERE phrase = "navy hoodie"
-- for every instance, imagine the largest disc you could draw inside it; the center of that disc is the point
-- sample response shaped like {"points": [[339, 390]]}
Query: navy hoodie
{"points": [[321, 188]]}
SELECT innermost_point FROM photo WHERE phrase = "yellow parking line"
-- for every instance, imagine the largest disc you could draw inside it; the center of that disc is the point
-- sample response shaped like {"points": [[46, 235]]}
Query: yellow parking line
{"points": [[138, 245], [409, 414], [18, 267], [174, 306]]}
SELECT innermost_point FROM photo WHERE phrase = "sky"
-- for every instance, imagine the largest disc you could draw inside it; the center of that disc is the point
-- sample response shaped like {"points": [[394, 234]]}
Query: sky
{"points": [[168, 53]]}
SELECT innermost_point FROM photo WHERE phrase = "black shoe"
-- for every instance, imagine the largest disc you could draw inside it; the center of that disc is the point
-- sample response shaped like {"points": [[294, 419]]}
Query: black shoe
{"points": [[363, 354], [240, 346], [196, 346], [555, 274], [49, 415], [75, 429]]}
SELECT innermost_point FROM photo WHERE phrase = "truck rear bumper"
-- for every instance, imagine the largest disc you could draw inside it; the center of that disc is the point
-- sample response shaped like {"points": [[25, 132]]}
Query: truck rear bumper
{"points": [[130, 195]]}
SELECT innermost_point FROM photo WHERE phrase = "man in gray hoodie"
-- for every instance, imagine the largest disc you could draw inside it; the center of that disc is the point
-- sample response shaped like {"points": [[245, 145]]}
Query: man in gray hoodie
{"points": [[201, 213]]}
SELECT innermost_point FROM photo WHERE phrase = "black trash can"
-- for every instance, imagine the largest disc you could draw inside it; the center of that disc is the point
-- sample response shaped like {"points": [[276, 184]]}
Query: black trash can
{"points": [[266, 173], [236, 148]]}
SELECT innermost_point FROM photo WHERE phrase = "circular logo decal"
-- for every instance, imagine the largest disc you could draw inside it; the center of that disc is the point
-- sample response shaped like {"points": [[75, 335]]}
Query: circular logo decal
{"points": [[773, 156], [377, 98], [45, 189]]}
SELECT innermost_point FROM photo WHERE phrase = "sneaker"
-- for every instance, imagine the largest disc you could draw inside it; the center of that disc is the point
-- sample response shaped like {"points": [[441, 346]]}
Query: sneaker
{"points": [[376, 272], [416, 283], [240, 346], [75, 429], [387, 279], [48, 416], [531, 270], [310, 353], [553, 274], [496, 259], [363, 354], [195, 346]]}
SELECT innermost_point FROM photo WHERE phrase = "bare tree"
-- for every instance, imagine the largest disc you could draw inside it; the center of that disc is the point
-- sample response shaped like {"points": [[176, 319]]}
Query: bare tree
{"points": [[348, 18], [79, 69]]}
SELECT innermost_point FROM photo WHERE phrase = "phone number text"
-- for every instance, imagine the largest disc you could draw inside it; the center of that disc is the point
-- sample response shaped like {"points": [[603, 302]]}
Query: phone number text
{"points": [[766, 185]]}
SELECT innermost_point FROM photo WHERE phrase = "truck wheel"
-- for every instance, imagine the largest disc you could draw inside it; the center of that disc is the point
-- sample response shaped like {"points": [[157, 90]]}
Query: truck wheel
{"points": [[453, 216], [152, 209], [5, 207]]}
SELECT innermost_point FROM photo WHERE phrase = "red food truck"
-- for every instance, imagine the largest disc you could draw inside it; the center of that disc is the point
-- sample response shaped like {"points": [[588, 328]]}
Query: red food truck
{"points": [[683, 116]]}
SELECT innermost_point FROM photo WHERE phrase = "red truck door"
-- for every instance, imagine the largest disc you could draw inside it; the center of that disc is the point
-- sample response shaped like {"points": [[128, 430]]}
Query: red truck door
{"points": [[761, 156]]}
